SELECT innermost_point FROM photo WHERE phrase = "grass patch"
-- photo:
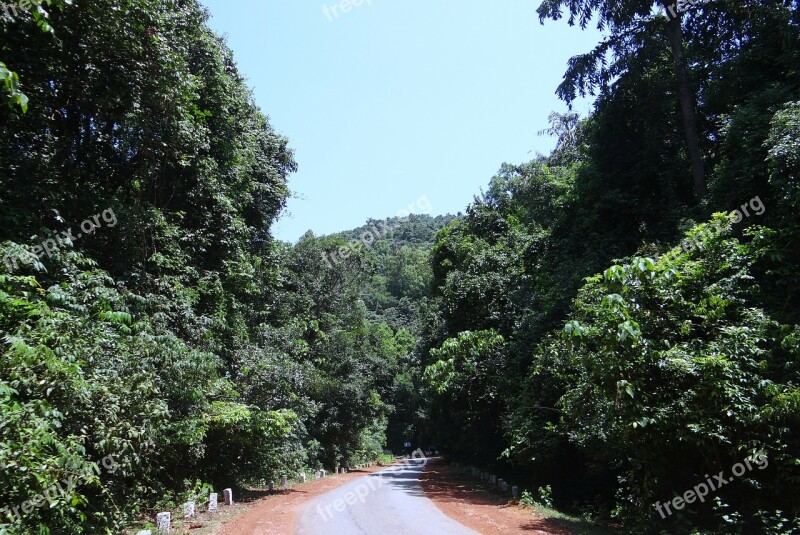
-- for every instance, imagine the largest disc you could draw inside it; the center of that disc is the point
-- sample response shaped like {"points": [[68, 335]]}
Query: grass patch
{"points": [[579, 526]]}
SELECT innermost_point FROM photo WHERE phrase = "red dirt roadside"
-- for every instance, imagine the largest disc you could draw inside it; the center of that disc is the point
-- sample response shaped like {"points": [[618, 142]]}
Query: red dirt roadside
{"points": [[486, 513], [450, 490], [275, 514]]}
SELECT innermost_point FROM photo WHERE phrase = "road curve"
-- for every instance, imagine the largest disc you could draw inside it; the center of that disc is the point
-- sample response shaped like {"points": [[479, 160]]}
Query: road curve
{"points": [[389, 502]]}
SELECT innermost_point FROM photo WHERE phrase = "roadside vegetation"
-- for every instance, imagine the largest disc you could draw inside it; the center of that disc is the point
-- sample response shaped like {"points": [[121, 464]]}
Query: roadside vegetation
{"points": [[599, 319]]}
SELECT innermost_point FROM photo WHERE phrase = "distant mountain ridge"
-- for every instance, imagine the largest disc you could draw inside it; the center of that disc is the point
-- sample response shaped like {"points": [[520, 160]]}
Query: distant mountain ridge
{"points": [[414, 230]]}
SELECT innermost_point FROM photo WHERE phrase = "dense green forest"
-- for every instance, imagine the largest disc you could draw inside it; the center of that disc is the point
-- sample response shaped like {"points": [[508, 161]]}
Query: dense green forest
{"points": [[619, 330], [618, 320]]}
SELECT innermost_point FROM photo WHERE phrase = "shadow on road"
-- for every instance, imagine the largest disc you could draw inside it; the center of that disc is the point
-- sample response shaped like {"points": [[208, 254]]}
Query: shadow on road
{"points": [[404, 478]]}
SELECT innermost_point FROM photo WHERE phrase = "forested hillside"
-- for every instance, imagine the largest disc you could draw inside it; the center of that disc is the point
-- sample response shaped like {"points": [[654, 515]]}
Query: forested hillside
{"points": [[617, 320], [597, 326], [148, 317]]}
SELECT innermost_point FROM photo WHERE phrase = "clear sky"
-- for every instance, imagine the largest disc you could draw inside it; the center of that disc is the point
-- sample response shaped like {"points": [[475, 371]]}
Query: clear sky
{"points": [[398, 99]]}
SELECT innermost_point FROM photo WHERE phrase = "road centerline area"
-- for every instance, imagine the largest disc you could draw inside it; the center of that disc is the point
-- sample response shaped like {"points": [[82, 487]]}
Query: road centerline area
{"points": [[389, 502]]}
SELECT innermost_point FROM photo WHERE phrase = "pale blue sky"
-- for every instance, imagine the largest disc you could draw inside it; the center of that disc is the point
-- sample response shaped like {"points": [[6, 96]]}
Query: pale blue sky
{"points": [[399, 99]]}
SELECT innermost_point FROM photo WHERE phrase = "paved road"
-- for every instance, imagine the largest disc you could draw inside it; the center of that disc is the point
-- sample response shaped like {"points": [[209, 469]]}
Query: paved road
{"points": [[389, 502]]}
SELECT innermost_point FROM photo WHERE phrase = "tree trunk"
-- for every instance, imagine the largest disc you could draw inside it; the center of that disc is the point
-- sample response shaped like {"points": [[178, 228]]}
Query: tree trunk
{"points": [[687, 102]]}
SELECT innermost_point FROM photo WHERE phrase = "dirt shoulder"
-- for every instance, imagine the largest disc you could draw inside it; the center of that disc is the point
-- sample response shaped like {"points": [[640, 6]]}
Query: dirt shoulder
{"points": [[460, 497], [275, 513]]}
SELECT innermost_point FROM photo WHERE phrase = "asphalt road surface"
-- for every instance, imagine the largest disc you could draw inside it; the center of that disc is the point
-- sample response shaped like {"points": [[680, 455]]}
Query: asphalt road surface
{"points": [[389, 502]]}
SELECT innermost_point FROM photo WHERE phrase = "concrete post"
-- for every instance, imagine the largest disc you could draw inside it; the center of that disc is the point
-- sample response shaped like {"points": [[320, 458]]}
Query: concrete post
{"points": [[515, 491], [163, 521], [284, 481], [188, 510], [271, 486], [228, 495], [212, 502], [302, 477]]}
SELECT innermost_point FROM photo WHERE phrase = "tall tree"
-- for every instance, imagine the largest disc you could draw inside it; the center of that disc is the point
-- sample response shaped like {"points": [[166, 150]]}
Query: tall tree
{"points": [[686, 97], [631, 23]]}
